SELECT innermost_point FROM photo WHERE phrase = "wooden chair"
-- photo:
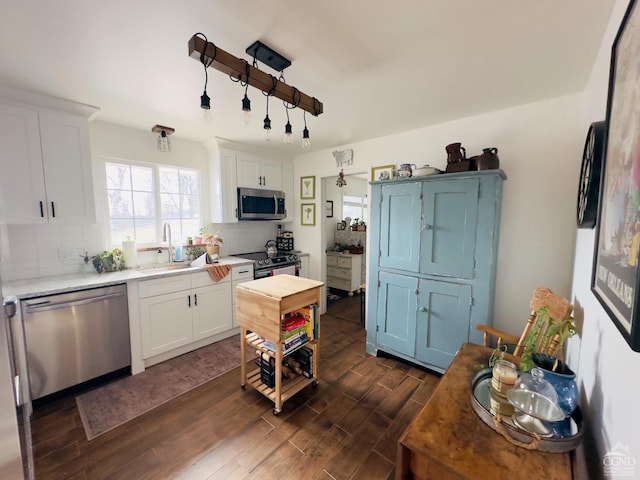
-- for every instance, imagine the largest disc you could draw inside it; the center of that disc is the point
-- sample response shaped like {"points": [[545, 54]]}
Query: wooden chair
{"points": [[559, 309]]}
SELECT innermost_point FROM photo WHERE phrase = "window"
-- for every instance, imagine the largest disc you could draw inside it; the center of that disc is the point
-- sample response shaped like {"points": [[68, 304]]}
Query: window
{"points": [[355, 207], [143, 197]]}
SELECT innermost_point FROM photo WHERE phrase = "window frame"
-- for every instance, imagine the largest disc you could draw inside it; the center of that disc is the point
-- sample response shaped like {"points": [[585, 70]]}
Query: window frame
{"points": [[157, 198]]}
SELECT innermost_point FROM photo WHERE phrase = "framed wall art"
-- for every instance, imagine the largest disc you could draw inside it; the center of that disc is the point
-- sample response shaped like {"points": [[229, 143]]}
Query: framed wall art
{"points": [[308, 214], [615, 280], [328, 209], [308, 188], [382, 173]]}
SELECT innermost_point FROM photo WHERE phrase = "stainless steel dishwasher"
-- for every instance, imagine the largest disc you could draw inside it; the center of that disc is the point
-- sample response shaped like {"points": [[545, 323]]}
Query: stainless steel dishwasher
{"points": [[74, 337]]}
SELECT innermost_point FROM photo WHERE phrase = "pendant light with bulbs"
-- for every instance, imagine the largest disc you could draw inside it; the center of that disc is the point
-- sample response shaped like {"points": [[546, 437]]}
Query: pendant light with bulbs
{"points": [[239, 70]]}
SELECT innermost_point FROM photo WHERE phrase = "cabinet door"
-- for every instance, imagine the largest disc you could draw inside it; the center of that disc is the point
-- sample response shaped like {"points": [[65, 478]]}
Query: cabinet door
{"points": [[211, 310], [271, 175], [396, 313], [166, 322], [22, 180], [67, 168], [249, 172], [400, 222], [449, 232], [444, 311], [223, 187]]}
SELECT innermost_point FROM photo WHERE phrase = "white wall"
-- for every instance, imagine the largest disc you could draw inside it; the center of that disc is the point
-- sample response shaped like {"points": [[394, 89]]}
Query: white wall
{"points": [[604, 363], [540, 149]]}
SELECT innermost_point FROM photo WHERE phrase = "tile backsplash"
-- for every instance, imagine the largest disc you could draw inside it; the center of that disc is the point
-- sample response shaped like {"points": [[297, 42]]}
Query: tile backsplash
{"points": [[30, 251]]}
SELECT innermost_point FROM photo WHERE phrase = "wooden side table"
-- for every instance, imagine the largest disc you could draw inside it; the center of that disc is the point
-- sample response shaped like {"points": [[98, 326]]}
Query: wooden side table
{"points": [[447, 440]]}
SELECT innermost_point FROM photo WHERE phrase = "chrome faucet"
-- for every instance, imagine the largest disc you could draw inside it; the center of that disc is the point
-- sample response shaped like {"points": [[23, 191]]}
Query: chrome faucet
{"points": [[166, 228]]}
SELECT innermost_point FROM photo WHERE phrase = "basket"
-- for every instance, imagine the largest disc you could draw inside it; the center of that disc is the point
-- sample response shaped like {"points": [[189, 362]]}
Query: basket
{"points": [[284, 244]]}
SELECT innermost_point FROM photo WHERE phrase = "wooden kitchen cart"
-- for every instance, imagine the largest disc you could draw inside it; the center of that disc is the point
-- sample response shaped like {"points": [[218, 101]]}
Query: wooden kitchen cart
{"points": [[261, 306]]}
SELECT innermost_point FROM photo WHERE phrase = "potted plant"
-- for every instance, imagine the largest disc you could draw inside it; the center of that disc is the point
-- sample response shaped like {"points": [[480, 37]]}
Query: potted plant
{"points": [[213, 242], [362, 226], [354, 224]]}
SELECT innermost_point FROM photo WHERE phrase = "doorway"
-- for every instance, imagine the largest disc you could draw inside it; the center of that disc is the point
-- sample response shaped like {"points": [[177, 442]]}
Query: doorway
{"points": [[342, 206]]}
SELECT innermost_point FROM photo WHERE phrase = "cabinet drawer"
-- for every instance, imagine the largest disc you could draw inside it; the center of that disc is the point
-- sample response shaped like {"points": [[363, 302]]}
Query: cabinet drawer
{"points": [[203, 279], [244, 273], [163, 286], [332, 260], [340, 283], [345, 262], [339, 273]]}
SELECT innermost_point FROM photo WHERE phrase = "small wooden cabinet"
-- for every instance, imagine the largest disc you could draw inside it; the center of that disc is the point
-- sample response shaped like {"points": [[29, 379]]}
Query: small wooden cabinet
{"points": [[344, 271], [261, 306]]}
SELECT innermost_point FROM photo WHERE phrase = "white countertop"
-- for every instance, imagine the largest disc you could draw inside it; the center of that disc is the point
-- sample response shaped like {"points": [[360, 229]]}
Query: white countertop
{"points": [[35, 287]]}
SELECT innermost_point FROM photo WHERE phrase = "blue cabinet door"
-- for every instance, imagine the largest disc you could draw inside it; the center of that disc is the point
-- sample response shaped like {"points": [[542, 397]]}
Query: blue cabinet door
{"points": [[400, 214], [443, 321], [396, 313], [450, 211]]}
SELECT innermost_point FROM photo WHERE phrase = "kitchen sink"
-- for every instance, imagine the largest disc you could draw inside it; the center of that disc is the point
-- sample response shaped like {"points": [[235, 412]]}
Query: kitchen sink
{"points": [[164, 267]]}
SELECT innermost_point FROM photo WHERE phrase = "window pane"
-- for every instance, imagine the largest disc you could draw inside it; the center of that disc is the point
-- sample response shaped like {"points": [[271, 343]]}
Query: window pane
{"points": [[190, 206], [142, 178], [120, 230], [118, 176], [144, 205], [119, 204], [189, 182], [169, 180], [170, 205], [146, 231]]}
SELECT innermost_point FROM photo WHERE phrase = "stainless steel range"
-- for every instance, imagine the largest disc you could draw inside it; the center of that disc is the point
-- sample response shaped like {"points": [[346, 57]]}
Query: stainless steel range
{"points": [[265, 265]]}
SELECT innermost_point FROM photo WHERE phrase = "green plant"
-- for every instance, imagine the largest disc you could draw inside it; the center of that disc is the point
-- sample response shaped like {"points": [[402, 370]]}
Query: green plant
{"points": [[355, 222], [213, 238], [546, 331]]}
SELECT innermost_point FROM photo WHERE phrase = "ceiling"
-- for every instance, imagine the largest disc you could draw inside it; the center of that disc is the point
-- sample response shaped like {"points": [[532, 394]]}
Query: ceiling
{"points": [[379, 67]]}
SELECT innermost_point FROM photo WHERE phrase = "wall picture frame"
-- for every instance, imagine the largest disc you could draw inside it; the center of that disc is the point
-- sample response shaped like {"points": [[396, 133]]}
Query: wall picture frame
{"points": [[328, 209], [615, 277], [308, 214], [382, 173], [308, 187]]}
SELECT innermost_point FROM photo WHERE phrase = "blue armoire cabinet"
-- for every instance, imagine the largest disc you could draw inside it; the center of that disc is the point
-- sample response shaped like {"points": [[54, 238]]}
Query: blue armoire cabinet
{"points": [[432, 264]]}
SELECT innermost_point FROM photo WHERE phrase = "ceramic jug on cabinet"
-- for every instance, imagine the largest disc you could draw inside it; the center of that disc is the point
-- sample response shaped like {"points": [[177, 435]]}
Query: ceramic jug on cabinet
{"points": [[455, 152], [488, 160]]}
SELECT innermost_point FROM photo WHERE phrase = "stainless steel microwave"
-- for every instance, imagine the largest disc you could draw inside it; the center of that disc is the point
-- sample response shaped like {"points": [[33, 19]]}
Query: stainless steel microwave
{"points": [[257, 204]]}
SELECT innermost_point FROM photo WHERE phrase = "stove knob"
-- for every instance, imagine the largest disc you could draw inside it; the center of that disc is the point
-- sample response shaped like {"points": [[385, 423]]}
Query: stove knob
{"points": [[260, 262]]}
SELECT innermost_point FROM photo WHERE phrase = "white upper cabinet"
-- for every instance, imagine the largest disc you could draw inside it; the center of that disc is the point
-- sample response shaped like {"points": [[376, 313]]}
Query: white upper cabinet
{"points": [[230, 169], [46, 164], [254, 172]]}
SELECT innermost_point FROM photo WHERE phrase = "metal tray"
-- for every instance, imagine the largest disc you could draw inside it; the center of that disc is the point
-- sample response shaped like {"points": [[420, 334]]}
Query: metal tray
{"points": [[567, 434]]}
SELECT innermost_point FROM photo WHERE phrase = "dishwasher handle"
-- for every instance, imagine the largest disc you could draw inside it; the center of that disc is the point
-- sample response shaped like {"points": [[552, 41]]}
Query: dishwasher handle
{"points": [[49, 305]]}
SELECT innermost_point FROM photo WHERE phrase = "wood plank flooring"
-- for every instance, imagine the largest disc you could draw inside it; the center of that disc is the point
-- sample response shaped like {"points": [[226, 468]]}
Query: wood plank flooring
{"points": [[345, 428]]}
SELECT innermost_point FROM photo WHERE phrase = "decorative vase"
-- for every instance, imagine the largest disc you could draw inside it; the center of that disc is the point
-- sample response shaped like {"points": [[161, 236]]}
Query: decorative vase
{"points": [[213, 249], [488, 160], [562, 379]]}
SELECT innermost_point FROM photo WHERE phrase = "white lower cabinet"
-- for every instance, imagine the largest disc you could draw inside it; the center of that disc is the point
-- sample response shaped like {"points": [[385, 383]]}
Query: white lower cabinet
{"points": [[178, 310], [344, 271]]}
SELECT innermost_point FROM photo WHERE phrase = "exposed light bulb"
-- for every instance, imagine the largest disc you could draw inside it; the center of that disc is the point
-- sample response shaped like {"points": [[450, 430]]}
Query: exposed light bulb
{"points": [[306, 141], [164, 144], [246, 110], [267, 128], [205, 108], [288, 135]]}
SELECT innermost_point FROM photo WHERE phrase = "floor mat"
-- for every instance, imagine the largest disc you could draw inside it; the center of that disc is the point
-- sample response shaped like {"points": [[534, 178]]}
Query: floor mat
{"points": [[111, 405]]}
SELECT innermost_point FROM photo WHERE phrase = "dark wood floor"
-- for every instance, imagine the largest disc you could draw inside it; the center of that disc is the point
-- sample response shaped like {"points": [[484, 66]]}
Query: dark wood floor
{"points": [[345, 428]]}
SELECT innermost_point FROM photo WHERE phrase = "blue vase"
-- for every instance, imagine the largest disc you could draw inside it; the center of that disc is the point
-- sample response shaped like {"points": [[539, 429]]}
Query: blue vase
{"points": [[562, 380]]}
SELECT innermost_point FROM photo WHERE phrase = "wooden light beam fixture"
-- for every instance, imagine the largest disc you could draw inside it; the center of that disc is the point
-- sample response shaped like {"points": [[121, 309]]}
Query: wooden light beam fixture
{"points": [[210, 54]]}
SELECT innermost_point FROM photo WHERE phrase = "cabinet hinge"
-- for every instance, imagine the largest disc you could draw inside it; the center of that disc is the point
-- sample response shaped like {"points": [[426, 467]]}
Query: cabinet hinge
{"points": [[421, 195], [377, 328]]}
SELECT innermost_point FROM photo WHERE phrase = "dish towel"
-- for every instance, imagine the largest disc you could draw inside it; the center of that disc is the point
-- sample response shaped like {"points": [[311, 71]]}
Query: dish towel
{"points": [[217, 272]]}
